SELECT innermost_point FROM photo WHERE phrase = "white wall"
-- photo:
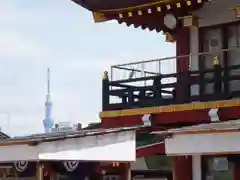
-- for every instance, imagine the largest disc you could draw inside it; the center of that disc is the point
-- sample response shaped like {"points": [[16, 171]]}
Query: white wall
{"points": [[196, 144], [120, 146]]}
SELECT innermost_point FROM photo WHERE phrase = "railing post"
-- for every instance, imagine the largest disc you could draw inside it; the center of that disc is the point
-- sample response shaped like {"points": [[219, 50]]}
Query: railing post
{"points": [[130, 97], [105, 92], [217, 78], [187, 86], [183, 88], [157, 84], [160, 89]]}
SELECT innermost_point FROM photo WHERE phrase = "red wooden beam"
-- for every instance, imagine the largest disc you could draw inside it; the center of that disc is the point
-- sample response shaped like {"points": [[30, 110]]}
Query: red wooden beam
{"points": [[173, 118]]}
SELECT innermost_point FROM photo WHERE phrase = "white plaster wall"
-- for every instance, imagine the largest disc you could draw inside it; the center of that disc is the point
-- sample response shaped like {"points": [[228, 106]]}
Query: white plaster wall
{"points": [[197, 144], [18, 152], [119, 146]]}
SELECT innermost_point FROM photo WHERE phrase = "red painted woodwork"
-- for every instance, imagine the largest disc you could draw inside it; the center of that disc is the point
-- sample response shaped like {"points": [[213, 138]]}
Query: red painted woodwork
{"points": [[182, 117], [182, 60], [182, 49], [123, 121], [229, 113], [157, 148], [173, 118], [125, 171], [182, 168], [236, 174], [47, 171]]}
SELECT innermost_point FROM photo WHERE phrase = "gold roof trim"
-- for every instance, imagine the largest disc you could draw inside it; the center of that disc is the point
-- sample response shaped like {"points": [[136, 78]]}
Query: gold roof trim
{"points": [[169, 5], [138, 6], [171, 108], [189, 2]]}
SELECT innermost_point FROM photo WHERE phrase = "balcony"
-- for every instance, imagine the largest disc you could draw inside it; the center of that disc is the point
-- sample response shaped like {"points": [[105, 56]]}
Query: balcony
{"points": [[210, 77]]}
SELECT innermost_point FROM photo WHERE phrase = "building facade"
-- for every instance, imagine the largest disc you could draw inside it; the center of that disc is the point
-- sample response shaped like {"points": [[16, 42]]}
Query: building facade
{"points": [[203, 89]]}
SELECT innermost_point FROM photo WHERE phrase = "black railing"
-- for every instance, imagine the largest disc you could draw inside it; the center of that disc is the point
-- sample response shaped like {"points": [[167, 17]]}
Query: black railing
{"points": [[219, 81]]}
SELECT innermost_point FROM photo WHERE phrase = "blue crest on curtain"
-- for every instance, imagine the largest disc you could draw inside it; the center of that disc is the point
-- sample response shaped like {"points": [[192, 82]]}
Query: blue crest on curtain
{"points": [[25, 168], [74, 169]]}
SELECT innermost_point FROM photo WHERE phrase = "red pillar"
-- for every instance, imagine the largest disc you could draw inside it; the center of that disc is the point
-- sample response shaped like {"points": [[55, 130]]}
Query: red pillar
{"points": [[182, 52], [182, 49], [182, 168], [125, 171], [236, 171]]}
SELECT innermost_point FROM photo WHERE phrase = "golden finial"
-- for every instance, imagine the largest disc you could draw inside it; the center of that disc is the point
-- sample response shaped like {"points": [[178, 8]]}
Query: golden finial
{"points": [[105, 76]]}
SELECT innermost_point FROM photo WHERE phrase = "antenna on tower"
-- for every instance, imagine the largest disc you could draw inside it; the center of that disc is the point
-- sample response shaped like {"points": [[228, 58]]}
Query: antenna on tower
{"points": [[48, 81]]}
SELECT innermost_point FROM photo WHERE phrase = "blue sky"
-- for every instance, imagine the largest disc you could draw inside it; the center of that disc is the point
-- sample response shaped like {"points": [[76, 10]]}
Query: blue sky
{"points": [[61, 35]]}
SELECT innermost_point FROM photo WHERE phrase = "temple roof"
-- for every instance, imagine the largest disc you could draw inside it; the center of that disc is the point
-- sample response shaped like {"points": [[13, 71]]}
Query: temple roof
{"points": [[142, 13], [82, 145], [44, 137], [104, 5], [231, 125]]}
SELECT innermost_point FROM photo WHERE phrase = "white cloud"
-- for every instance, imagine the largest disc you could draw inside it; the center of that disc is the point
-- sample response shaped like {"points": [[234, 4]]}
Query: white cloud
{"points": [[16, 46]]}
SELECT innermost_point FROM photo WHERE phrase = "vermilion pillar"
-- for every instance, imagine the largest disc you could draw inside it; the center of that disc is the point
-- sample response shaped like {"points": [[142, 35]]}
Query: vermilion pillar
{"points": [[182, 165], [182, 52], [182, 168], [236, 171], [183, 49], [125, 173]]}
